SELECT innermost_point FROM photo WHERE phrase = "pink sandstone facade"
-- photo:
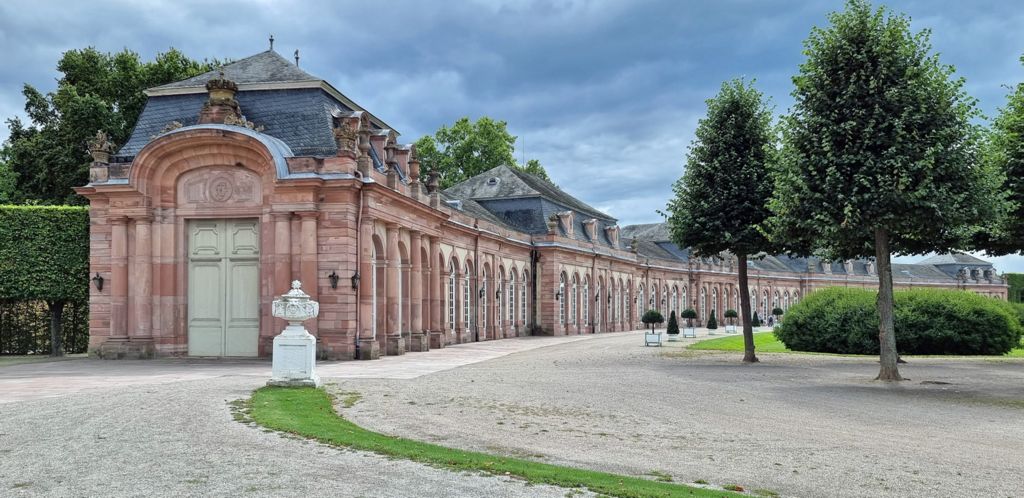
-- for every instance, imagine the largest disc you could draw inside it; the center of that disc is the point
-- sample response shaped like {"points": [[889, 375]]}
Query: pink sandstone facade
{"points": [[198, 226]]}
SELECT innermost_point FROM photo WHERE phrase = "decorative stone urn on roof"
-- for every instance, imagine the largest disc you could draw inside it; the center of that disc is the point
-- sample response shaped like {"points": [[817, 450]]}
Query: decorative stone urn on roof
{"points": [[294, 348]]}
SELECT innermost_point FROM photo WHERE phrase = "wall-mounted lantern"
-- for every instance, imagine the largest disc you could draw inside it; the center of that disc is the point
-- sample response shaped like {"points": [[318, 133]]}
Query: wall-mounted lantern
{"points": [[98, 281], [355, 280], [333, 277], [497, 294], [481, 293], [558, 295]]}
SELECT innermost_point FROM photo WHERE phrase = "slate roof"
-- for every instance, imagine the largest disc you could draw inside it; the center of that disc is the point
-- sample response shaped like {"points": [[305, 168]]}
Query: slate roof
{"points": [[289, 103], [525, 202], [264, 67], [300, 118], [653, 242], [503, 182], [956, 258]]}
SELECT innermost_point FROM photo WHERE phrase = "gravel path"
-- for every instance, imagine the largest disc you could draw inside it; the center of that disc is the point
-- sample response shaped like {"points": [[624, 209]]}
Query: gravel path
{"points": [[799, 425], [179, 439]]}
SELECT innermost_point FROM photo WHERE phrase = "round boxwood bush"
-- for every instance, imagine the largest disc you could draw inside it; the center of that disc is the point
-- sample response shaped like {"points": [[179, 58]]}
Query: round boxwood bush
{"points": [[652, 317], [845, 321]]}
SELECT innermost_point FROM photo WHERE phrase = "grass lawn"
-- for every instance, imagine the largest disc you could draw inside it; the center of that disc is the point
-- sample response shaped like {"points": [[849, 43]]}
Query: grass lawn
{"points": [[765, 342], [309, 412]]}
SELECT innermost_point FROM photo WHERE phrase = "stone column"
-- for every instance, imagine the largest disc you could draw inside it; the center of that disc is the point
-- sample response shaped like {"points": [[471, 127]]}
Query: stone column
{"points": [[394, 343], [437, 336], [369, 349], [119, 278], [142, 278], [282, 257], [308, 260], [417, 336]]}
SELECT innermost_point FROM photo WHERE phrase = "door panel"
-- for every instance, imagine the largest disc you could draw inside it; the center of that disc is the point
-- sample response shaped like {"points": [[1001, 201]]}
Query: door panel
{"points": [[205, 309], [223, 288], [243, 318]]}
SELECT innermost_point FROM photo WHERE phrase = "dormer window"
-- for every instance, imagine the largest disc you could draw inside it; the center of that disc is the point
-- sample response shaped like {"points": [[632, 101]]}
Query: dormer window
{"points": [[493, 182]]}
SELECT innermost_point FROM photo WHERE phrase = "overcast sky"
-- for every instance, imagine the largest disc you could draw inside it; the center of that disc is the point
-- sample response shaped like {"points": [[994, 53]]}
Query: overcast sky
{"points": [[606, 93]]}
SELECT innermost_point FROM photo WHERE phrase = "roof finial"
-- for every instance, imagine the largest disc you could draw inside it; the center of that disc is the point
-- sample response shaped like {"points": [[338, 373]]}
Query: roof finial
{"points": [[296, 57], [271, 42]]}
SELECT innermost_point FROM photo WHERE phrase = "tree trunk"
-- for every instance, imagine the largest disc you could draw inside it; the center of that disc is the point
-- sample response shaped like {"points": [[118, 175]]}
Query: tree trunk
{"points": [[748, 330], [886, 328], [56, 332]]}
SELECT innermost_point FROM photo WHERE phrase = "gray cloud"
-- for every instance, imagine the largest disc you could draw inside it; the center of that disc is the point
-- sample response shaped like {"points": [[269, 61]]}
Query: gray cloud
{"points": [[606, 94]]}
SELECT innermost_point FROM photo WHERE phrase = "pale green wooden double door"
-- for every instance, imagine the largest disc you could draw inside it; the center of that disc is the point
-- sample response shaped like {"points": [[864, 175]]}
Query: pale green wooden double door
{"points": [[223, 287]]}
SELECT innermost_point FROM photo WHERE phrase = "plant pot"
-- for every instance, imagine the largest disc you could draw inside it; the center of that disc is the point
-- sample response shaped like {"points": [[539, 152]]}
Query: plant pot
{"points": [[652, 338], [673, 337], [689, 332]]}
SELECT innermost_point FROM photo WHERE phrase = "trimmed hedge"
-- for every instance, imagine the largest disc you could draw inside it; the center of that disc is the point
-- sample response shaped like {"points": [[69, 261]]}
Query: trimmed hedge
{"points": [[44, 259], [845, 321], [673, 324]]}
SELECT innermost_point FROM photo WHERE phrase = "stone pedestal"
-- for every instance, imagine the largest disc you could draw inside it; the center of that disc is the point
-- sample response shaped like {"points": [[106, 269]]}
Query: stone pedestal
{"points": [[437, 339], [294, 361], [419, 342], [125, 349], [369, 349], [395, 345]]}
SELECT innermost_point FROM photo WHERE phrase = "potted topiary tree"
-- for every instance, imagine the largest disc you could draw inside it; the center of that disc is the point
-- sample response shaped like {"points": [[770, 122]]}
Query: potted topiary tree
{"points": [[689, 314], [778, 316], [652, 317], [731, 315], [755, 321], [712, 323], [673, 327]]}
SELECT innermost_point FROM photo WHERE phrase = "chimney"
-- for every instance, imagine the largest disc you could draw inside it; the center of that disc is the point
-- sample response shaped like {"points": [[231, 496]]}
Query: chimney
{"points": [[221, 103]]}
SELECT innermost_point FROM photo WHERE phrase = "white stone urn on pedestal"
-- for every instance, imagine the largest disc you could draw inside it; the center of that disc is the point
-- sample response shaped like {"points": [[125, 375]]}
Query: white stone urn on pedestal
{"points": [[294, 347]]}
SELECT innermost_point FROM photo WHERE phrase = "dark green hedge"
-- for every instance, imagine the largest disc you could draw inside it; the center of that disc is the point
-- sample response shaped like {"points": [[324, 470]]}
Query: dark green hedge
{"points": [[44, 262], [845, 321]]}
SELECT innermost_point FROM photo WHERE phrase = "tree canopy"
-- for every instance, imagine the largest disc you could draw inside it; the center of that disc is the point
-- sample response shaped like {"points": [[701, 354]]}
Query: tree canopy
{"points": [[46, 157], [721, 200], [880, 154], [1005, 152], [468, 148]]}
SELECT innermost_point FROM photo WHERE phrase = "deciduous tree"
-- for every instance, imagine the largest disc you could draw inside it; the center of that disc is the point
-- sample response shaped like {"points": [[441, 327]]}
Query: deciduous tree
{"points": [[722, 197], [880, 153], [46, 156], [1005, 151], [469, 148]]}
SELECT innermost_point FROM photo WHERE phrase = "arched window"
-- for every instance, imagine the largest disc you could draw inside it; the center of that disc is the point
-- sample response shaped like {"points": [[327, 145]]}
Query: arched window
{"points": [[561, 298], [574, 303], [373, 285], [675, 299], [640, 299], [775, 302], [682, 295], [512, 297], [714, 302], [651, 301], [451, 295], [522, 298], [597, 306], [764, 305], [703, 304], [483, 301], [467, 316], [586, 300]]}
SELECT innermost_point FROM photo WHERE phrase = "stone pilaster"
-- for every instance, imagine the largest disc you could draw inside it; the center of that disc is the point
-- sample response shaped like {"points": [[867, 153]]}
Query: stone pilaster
{"points": [[394, 343], [369, 348]]}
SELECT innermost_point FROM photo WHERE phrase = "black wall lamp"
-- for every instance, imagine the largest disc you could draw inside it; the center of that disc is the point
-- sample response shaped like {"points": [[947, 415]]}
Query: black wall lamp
{"points": [[481, 293], [98, 280], [355, 280], [497, 294], [558, 295], [333, 277]]}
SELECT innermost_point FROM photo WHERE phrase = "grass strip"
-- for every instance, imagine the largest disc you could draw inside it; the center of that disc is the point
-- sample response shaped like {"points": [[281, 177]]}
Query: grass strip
{"points": [[310, 413], [765, 342]]}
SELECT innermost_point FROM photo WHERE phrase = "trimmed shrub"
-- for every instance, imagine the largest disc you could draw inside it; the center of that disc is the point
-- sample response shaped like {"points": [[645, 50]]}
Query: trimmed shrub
{"points": [[689, 314], [44, 259], [652, 317], [777, 311], [712, 323], [673, 325], [755, 321], [845, 321]]}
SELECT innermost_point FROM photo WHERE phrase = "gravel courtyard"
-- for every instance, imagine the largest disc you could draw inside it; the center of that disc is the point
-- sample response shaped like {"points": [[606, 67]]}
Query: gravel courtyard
{"points": [[799, 425]]}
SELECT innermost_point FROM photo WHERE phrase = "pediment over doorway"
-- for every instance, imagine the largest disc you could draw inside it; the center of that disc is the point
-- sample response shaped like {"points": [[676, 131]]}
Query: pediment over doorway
{"points": [[220, 187]]}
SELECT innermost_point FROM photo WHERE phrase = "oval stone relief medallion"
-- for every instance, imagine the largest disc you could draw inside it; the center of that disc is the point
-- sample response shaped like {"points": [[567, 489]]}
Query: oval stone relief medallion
{"points": [[220, 189]]}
